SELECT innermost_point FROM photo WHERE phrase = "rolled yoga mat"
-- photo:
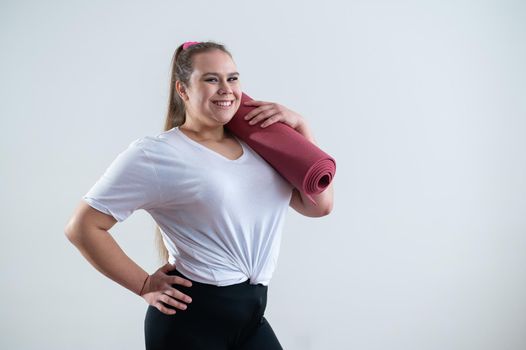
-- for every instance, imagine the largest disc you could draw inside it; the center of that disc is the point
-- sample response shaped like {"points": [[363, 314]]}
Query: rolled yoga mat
{"points": [[298, 160]]}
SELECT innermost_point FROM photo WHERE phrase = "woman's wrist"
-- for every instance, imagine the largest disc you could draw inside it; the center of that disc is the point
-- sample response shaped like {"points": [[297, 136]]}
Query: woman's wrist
{"points": [[143, 285]]}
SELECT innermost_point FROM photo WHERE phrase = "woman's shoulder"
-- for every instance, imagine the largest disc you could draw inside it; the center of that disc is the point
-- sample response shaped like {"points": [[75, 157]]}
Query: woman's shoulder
{"points": [[158, 139], [159, 145]]}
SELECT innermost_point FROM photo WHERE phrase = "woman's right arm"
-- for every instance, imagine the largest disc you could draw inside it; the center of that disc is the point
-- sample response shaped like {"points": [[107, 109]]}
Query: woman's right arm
{"points": [[88, 231]]}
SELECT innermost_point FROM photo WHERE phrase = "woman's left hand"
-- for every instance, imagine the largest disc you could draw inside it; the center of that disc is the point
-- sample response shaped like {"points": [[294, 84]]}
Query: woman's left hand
{"points": [[271, 113]]}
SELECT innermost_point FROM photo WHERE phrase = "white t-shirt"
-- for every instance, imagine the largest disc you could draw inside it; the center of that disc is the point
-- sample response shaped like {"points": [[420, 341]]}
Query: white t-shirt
{"points": [[221, 219]]}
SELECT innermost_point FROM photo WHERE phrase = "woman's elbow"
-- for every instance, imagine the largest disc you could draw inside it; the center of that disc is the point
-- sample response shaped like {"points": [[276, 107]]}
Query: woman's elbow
{"points": [[327, 210], [71, 232]]}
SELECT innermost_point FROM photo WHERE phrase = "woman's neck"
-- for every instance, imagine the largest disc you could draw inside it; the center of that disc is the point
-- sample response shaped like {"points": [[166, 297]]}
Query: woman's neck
{"points": [[205, 133]]}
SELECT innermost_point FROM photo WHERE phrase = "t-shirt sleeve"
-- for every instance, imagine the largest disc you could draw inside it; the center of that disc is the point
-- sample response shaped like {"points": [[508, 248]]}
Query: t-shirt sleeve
{"points": [[128, 184]]}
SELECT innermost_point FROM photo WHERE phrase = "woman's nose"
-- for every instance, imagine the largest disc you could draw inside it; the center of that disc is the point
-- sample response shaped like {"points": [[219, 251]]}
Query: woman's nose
{"points": [[224, 88]]}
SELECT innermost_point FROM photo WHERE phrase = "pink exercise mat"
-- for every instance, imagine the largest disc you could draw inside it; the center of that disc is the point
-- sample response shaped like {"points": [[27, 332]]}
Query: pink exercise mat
{"points": [[298, 160]]}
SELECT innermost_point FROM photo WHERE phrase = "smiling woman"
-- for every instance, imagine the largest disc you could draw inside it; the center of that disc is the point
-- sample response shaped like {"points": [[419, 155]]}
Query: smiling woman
{"points": [[218, 235], [211, 94]]}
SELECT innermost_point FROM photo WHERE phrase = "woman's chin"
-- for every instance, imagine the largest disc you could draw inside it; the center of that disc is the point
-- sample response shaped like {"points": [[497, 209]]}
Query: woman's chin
{"points": [[224, 117], [226, 121]]}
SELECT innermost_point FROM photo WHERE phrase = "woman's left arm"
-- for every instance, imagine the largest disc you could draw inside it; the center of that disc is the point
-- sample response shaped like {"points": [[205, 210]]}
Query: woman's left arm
{"points": [[271, 113]]}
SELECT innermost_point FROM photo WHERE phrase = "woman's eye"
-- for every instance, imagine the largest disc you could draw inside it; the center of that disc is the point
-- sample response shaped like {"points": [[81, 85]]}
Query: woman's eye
{"points": [[212, 79]]}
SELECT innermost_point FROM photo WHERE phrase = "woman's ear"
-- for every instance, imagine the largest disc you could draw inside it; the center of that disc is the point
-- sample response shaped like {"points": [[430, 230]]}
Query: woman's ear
{"points": [[180, 89]]}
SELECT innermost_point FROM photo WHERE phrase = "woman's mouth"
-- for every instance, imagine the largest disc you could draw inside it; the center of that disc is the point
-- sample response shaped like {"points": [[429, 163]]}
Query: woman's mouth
{"points": [[223, 104]]}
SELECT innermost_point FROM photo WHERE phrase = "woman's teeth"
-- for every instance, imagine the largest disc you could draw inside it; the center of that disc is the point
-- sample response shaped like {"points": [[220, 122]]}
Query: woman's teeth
{"points": [[223, 104]]}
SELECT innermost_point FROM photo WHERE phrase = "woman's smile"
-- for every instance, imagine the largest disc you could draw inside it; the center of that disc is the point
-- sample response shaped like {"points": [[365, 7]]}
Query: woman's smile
{"points": [[223, 104]]}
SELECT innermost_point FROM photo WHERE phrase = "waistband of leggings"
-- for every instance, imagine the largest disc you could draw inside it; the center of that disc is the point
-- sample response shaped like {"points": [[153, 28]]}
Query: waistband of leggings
{"points": [[230, 288]]}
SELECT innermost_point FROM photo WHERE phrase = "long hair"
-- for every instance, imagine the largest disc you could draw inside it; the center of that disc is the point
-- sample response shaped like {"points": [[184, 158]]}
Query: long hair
{"points": [[182, 68]]}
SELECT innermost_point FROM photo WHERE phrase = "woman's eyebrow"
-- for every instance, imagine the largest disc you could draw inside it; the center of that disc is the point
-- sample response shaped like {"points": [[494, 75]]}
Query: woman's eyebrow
{"points": [[214, 73]]}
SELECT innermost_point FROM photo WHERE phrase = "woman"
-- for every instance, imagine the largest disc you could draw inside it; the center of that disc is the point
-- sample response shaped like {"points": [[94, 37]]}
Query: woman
{"points": [[219, 206]]}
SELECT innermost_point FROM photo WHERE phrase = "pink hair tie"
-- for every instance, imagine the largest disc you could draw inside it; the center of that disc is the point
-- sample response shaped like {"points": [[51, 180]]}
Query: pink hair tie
{"points": [[189, 43]]}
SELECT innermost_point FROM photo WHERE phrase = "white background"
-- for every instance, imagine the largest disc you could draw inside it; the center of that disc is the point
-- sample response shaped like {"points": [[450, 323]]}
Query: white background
{"points": [[421, 103]]}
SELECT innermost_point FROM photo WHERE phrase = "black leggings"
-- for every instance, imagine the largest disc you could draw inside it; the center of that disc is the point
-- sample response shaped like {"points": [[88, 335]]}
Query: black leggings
{"points": [[218, 318]]}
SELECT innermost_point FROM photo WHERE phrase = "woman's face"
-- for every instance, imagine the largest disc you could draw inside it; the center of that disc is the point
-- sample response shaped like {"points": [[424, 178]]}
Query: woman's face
{"points": [[214, 78]]}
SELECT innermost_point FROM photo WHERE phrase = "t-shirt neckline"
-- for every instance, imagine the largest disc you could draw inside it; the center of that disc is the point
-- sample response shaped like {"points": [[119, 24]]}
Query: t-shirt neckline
{"points": [[217, 154]]}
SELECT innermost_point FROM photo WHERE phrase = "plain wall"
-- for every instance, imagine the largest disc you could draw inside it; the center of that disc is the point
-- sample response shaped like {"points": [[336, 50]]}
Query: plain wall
{"points": [[421, 103]]}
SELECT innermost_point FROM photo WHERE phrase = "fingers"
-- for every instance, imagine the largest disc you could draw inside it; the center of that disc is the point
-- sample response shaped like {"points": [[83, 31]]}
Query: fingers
{"points": [[270, 120], [178, 294], [258, 110], [168, 299], [163, 293], [264, 115], [181, 281], [256, 102], [167, 267], [164, 309]]}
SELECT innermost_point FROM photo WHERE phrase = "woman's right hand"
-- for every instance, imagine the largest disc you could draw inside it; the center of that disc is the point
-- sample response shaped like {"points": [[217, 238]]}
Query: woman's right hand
{"points": [[158, 287]]}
